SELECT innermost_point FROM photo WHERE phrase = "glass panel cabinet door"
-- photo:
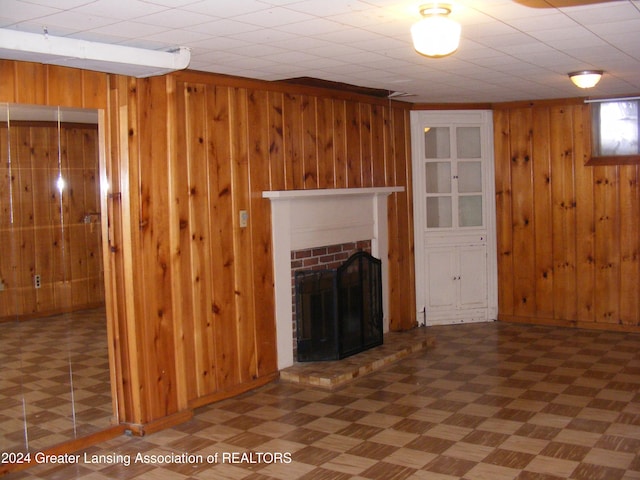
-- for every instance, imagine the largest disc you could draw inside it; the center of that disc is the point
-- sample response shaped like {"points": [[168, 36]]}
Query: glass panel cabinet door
{"points": [[468, 143], [453, 177], [470, 177], [470, 211], [439, 212], [437, 143], [438, 177]]}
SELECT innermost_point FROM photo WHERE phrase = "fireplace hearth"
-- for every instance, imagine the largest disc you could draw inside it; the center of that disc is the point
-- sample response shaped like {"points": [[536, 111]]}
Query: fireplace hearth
{"points": [[339, 311]]}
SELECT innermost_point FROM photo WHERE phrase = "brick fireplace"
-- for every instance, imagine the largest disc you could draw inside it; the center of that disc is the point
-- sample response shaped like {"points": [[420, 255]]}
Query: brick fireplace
{"points": [[302, 219]]}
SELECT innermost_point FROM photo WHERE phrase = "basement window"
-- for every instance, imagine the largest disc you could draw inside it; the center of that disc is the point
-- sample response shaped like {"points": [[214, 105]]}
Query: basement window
{"points": [[614, 132]]}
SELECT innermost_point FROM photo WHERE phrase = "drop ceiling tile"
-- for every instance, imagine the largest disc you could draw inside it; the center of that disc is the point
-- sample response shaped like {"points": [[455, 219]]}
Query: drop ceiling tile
{"points": [[175, 18], [615, 28], [264, 36], [177, 36], [257, 50], [313, 27], [16, 11], [225, 27], [73, 21], [329, 8], [172, 3], [59, 4], [275, 17], [347, 36], [543, 22], [120, 9], [602, 13], [129, 30], [227, 9]]}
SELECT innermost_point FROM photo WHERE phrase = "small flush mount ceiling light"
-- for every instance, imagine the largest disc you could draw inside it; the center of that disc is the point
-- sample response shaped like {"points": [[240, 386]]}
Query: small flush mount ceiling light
{"points": [[436, 35], [586, 78]]}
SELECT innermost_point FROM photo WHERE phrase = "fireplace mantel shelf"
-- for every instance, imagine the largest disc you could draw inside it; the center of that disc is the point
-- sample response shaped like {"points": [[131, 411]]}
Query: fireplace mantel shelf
{"points": [[329, 192]]}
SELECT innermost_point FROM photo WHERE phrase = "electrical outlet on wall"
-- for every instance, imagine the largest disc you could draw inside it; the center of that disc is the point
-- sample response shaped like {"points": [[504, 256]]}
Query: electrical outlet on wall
{"points": [[244, 218], [36, 281]]}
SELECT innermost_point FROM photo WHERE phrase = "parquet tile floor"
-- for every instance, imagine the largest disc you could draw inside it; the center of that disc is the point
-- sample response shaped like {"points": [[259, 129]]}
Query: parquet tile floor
{"points": [[488, 401]]}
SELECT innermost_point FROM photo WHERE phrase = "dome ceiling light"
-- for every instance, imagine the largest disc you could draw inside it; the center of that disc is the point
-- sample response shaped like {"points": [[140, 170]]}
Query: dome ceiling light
{"points": [[436, 35], [586, 78]]}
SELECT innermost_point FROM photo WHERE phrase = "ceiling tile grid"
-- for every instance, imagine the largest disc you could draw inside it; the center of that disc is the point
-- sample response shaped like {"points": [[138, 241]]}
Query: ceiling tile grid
{"points": [[509, 50]]}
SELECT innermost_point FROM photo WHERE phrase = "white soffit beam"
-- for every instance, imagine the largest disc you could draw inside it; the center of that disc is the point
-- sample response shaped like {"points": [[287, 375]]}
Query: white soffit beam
{"points": [[101, 57]]}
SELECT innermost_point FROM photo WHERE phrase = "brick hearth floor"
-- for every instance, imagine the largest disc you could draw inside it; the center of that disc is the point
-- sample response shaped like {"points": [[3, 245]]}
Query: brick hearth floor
{"points": [[488, 401]]}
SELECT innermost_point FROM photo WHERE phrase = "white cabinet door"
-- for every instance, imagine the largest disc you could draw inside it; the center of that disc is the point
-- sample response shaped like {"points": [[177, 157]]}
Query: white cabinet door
{"points": [[456, 279], [472, 276], [441, 273]]}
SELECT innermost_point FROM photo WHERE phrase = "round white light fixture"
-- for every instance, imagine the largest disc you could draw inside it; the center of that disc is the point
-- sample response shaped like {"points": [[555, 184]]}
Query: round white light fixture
{"points": [[586, 78], [435, 35]]}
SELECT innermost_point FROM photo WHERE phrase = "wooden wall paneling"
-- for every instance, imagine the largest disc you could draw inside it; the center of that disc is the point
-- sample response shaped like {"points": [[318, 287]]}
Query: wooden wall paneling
{"points": [[504, 214], [325, 140], [197, 314], [401, 274], [23, 182], [366, 147], [31, 83], [395, 269], [176, 163], [131, 200], [593, 214], [222, 255], [407, 236], [60, 220], [277, 167], [340, 144], [523, 231], [42, 148], [8, 269], [156, 313], [378, 150], [189, 107], [564, 213], [120, 208], [263, 310], [245, 315], [92, 204], [293, 136], [389, 146], [630, 245], [64, 86], [72, 146], [309, 142], [543, 207], [354, 153], [8, 83], [608, 243], [94, 89], [585, 224]]}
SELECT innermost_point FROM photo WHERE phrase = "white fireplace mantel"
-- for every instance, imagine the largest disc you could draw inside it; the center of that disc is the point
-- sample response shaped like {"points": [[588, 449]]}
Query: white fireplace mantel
{"points": [[313, 218]]}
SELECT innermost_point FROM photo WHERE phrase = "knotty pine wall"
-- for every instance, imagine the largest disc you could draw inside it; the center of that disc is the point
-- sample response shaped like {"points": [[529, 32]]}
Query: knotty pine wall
{"points": [[568, 234], [189, 294], [44, 233]]}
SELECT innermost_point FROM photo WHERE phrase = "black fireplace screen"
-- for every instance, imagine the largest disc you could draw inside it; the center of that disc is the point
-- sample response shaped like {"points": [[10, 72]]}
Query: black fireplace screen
{"points": [[339, 312]]}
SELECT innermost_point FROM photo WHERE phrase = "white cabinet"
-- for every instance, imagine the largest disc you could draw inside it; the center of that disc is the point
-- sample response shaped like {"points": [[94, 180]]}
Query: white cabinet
{"points": [[456, 262], [456, 283]]}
